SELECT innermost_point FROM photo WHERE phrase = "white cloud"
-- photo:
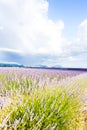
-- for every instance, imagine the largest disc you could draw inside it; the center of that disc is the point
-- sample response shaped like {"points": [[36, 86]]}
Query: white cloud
{"points": [[11, 50], [1, 28], [83, 34], [29, 26]]}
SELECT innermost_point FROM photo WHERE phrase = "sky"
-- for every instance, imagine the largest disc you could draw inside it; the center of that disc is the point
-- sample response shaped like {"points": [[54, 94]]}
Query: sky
{"points": [[44, 32]]}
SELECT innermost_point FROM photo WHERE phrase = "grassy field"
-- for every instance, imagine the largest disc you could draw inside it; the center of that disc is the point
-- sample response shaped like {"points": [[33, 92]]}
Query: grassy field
{"points": [[36, 99]]}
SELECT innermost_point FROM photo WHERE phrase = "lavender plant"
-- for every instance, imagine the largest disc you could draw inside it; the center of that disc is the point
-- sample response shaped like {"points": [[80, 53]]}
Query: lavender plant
{"points": [[37, 99]]}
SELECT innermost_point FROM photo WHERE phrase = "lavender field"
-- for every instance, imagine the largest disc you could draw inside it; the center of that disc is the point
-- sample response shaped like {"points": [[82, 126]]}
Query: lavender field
{"points": [[42, 99]]}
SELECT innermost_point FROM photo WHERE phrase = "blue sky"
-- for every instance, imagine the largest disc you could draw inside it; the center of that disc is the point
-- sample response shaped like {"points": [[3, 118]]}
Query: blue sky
{"points": [[47, 32], [72, 12]]}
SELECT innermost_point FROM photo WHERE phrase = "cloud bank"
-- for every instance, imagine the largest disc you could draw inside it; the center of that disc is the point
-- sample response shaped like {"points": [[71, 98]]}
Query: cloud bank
{"points": [[25, 25], [27, 32]]}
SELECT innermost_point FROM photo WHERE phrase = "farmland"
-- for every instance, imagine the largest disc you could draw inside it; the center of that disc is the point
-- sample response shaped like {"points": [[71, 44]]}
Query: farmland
{"points": [[42, 99]]}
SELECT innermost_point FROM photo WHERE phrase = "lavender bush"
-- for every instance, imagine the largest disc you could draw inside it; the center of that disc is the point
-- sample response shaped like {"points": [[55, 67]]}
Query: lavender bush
{"points": [[38, 99]]}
